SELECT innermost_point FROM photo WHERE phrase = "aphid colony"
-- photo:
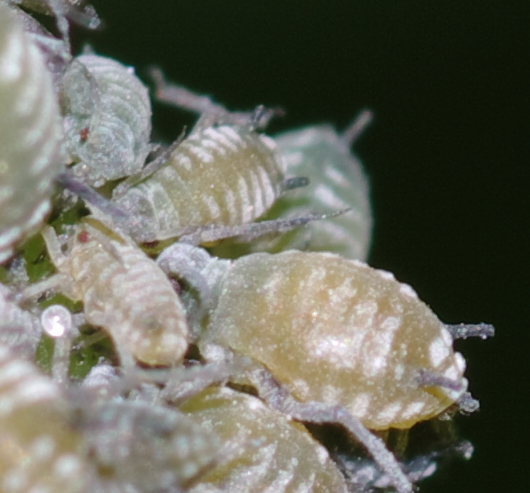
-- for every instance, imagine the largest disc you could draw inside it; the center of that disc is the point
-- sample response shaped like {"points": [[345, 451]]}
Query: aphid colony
{"points": [[215, 363]]}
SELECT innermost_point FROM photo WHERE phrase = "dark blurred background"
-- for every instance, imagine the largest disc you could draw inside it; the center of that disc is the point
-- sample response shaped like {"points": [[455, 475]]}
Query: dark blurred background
{"points": [[447, 154]]}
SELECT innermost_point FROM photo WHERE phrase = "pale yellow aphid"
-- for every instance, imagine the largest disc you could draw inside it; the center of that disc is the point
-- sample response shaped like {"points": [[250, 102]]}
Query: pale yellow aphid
{"points": [[274, 453], [123, 291], [30, 134], [338, 331], [39, 449], [224, 176]]}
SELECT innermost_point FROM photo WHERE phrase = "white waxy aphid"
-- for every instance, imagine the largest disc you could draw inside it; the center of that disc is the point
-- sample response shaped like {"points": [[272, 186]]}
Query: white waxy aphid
{"points": [[123, 291], [274, 454], [39, 448], [20, 330], [220, 176], [345, 343], [107, 119], [30, 134], [336, 181]]}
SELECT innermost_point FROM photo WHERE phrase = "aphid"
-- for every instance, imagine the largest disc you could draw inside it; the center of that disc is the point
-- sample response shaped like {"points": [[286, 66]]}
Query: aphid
{"points": [[39, 448], [336, 181], [348, 342], [107, 119], [273, 453], [30, 134], [148, 447], [220, 176], [123, 291]]}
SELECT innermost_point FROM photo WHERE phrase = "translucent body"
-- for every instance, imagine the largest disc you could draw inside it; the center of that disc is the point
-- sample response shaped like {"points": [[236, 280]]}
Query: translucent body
{"points": [[107, 119], [19, 330], [336, 181], [30, 134], [274, 454], [124, 292], [339, 332], [39, 450], [225, 175]]}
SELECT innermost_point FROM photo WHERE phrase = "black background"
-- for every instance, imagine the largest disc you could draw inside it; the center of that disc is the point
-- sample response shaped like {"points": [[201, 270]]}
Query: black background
{"points": [[447, 154]]}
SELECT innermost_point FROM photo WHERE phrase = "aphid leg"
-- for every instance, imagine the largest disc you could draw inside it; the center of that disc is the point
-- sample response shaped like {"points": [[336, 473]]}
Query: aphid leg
{"points": [[211, 112], [357, 127], [467, 403], [148, 170], [317, 412], [88, 194], [184, 383], [186, 262], [463, 331], [428, 378], [248, 232], [295, 182], [57, 322]]}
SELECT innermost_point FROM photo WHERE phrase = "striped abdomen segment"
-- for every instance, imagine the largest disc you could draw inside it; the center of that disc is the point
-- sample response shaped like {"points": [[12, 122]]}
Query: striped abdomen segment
{"points": [[30, 134], [224, 175]]}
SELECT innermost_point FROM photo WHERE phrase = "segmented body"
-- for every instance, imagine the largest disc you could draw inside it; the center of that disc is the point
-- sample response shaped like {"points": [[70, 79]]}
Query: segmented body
{"points": [[225, 175], [107, 119], [336, 181], [124, 292], [30, 134], [274, 454], [340, 332], [39, 450]]}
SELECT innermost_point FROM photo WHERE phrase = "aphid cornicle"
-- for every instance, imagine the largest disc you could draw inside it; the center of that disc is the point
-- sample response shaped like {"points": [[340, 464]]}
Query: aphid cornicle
{"points": [[107, 119], [122, 290], [274, 454], [350, 343], [224, 175], [30, 134]]}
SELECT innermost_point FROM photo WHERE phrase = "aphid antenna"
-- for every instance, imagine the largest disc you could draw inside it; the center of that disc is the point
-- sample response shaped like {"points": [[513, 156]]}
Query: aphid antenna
{"points": [[463, 331], [357, 127], [280, 399], [211, 113], [150, 168], [249, 232]]}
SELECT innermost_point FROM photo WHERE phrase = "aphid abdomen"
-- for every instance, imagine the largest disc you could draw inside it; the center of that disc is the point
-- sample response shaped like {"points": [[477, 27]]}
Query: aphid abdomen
{"points": [[336, 181], [127, 294], [39, 451], [30, 134], [339, 332], [223, 175], [275, 454], [108, 118]]}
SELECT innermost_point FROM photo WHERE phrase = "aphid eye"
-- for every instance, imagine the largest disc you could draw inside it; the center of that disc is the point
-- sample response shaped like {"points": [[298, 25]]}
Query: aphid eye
{"points": [[83, 237], [83, 134]]}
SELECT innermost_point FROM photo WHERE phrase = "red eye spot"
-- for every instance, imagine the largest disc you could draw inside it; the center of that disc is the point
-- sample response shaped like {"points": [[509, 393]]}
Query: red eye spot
{"points": [[151, 244], [83, 237], [84, 134]]}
